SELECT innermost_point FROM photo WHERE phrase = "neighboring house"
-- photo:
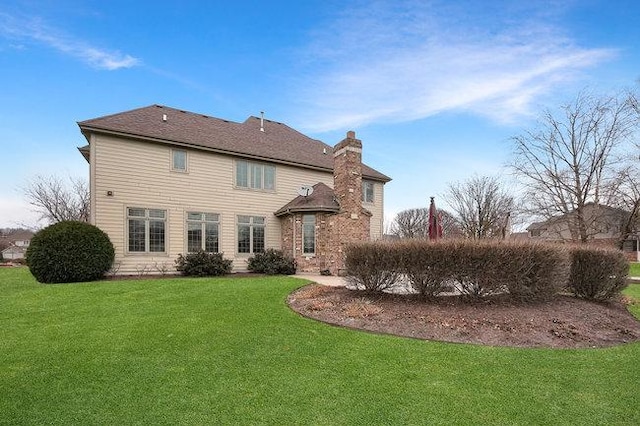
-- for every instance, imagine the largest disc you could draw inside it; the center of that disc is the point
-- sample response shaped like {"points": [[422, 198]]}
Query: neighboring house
{"points": [[165, 181], [17, 244], [519, 236], [604, 227]]}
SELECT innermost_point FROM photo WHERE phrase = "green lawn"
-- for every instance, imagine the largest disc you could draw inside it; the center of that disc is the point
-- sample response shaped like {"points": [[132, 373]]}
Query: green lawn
{"points": [[229, 351], [634, 269]]}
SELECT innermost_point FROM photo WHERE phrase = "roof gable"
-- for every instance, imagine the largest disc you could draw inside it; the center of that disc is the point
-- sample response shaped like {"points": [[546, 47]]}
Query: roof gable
{"points": [[275, 142]]}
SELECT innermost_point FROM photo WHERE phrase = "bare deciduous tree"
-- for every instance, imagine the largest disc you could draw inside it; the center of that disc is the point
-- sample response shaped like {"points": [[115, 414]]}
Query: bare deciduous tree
{"points": [[450, 226], [570, 160], [411, 223], [626, 197], [57, 201], [481, 206], [414, 223]]}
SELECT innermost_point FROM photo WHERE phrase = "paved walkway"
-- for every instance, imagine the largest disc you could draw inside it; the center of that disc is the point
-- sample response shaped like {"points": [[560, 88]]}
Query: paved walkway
{"points": [[329, 280], [334, 281]]}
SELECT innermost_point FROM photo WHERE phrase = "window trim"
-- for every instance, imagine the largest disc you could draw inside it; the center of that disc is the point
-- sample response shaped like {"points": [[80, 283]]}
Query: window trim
{"points": [[203, 224], [174, 151], [147, 235], [251, 226], [366, 183], [303, 233], [250, 178]]}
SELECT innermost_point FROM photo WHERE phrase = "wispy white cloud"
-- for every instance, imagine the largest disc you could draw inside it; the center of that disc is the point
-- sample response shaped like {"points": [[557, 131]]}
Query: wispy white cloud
{"points": [[25, 30], [408, 61]]}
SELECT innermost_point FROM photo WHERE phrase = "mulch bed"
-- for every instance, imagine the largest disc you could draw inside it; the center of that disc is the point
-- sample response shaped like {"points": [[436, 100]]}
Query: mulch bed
{"points": [[566, 322]]}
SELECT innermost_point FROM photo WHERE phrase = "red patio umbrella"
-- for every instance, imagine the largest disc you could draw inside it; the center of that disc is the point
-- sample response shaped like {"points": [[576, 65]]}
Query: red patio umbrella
{"points": [[435, 227]]}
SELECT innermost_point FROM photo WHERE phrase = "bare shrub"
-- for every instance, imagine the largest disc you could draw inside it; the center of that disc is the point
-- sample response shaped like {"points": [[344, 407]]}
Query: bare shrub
{"points": [[115, 267], [162, 268], [141, 269], [597, 273], [477, 269], [372, 266], [426, 266], [535, 272]]}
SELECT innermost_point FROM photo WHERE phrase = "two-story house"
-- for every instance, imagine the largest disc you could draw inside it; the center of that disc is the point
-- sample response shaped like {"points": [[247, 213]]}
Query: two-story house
{"points": [[604, 226], [165, 181], [16, 244]]}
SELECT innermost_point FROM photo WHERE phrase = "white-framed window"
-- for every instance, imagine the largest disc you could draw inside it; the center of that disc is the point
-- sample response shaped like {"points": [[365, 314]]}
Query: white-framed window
{"points": [[367, 191], [254, 175], [308, 234], [179, 160], [203, 232], [251, 234], [146, 230]]}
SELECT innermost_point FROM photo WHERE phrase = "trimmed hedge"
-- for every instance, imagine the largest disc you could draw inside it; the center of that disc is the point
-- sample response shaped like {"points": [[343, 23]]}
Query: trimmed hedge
{"points": [[69, 252], [477, 269], [597, 273], [373, 266], [534, 272], [272, 262], [203, 264], [425, 267]]}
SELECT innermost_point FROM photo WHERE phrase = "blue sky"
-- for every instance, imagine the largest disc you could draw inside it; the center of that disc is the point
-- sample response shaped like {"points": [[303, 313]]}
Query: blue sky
{"points": [[433, 88]]}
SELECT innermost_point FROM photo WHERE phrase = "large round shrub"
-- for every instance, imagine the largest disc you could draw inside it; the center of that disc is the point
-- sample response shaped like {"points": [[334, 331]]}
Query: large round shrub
{"points": [[69, 252]]}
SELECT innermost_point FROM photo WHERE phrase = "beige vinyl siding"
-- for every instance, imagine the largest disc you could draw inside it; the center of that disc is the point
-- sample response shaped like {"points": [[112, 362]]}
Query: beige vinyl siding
{"points": [[377, 209], [139, 175]]}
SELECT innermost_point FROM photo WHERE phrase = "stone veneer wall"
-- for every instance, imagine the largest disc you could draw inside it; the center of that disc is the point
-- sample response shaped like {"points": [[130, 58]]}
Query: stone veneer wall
{"points": [[334, 231], [351, 224], [290, 240]]}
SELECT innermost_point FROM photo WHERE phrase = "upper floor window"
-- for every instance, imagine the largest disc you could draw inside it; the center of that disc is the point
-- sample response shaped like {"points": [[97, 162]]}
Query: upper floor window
{"points": [[203, 232], [308, 234], [250, 234], [179, 160], [146, 230], [255, 175], [367, 191]]}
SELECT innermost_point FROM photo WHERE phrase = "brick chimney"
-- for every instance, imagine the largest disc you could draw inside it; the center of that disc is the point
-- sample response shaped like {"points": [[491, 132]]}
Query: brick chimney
{"points": [[351, 224], [347, 174]]}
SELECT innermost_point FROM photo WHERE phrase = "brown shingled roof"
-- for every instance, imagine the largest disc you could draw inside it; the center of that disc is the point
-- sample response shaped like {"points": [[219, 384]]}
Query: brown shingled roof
{"points": [[321, 199], [278, 143], [17, 235]]}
